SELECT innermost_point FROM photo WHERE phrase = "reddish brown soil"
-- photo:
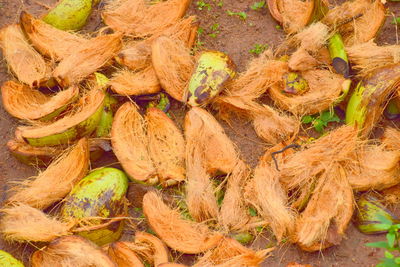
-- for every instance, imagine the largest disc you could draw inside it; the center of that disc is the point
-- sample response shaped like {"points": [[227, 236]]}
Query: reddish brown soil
{"points": [[235, 37]]}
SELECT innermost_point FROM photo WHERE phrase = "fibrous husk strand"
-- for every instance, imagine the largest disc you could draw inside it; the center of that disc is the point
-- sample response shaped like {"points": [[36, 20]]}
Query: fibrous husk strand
{"points": [[295, 14], [159, 251], [182, 235], [123, 255]]}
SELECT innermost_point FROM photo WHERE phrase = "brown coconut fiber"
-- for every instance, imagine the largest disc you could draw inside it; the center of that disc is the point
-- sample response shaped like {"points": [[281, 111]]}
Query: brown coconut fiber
{"points": [[22, 223], [325, 219], [171, 264], [123, 256], [86, 107], [179, 234], [296, 14], [324, 88], [71, 251], [28, 65], [301, 60], [173, 64], [87, 58], [48, 40], [139, 19], [56, 181], [26, 103], [159, 251], [142, 82], [130, 144], [166, 147]]}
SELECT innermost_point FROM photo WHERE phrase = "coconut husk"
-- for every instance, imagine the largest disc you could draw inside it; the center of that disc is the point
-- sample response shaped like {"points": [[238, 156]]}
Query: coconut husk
{"points": [[368, 56], [234, 213], [301, 60], [324, 88], [295, 264], [272, 201], [358, 21], [71, 251], [296, 14], [391, 195], [166, 147], [137, 54], [29, 104], [28, 65], [142, 82], [311, 38], [219, 151], [48, 40], [182, 235], [173, 65], [325, 219], [138, 19], [171, 264], [22, 223], [158, 250], [130, 144], [83, 110], [391, 138], [123, 256], [56, 181], [87, 58], [229, 252]]}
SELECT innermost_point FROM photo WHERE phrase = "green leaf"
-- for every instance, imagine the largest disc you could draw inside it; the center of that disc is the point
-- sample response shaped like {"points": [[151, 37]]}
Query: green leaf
{"points": [[387, 263], [307, 119], [397, 260], [396, 20], [252, 212], [258, 5], [318, 125], [391, 237], [380, 244], [326, 115], [389, 255], [384, 220]]}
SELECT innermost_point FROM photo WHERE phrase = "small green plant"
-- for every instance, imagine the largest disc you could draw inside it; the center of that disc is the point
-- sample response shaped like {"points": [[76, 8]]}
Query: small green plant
{"points": [[396, 20], [198, 45], [201, 5], [220, 3], [391, 245], [258, 5], [214, 30], [242, 15], [319, 122], [278, 27], [258, 49]]}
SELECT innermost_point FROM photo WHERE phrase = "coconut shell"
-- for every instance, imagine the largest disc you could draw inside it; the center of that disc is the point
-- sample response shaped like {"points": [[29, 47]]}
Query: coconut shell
{"points": [[87, 58], [80, 122], [173, 65], [166, 147], [142, 82], [181, 235], [139, 19], [296, 14], [123, 256], [28, 65], [71, 251], [158, 249], [130, 144], [48, 40], [29, 104]]}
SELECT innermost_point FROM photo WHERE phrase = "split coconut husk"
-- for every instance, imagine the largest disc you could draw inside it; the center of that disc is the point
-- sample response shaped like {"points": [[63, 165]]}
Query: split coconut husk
{"points": [[173, 65], [230, 252], [220, 152], [122, 255], [25, 62], [234, 213], [166, 147], [358, 21], [325, 219], [311, 38], [391, 138], [142, 82], [139, 19], [159, 252], [71, 251], [368, 56], [48, 40], [171, 264], [179, 234], [391, 195], [87, 58], [272, 201], [301, 60], [22, 223], [80, 122], [293, 14], [130, 144], [56, 181], [26, 103], [324, 89]]}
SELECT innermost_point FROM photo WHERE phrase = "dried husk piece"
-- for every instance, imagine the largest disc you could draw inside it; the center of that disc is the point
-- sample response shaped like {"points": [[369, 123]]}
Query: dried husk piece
{"points": [[81, 121], [171, 264], [130, 144], [24, 61], [123, 256], [140, 19], [325, 219], [173, 65], [87, 58], [230, 252], [296, 14], [49, 41], [158, 249], [324, 88], [182, 235], [391, 138], [26, 103], [22, 223], [166, 147], [301, 60], [71, 251], [142, 82], [56, 181], [311, 38]]}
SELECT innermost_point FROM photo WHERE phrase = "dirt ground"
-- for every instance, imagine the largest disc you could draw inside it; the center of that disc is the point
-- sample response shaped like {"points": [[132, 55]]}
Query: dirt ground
{"points": [[235, 37]]}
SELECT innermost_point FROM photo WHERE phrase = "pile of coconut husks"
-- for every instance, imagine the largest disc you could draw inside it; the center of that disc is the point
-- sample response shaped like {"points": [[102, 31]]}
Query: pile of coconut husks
{"points": [[79, 95]]}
